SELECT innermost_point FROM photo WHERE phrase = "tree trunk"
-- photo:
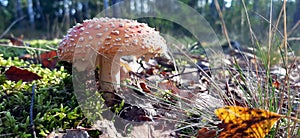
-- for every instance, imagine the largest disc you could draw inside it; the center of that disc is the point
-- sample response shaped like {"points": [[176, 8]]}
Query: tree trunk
{"points": [[142, 6], [19, 12], [30, 13], [86, 10], [297, 12], [116, 9], [136, 6], [105, 5], [67, 13], [39, 11]]}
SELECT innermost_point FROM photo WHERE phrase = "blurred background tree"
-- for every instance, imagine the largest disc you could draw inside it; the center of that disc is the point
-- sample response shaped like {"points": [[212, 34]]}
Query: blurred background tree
{"points": [[51, 18]]}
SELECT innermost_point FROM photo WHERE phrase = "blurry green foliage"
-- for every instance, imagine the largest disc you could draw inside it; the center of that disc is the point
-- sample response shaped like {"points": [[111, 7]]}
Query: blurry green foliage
{"points": [[17, 52]]}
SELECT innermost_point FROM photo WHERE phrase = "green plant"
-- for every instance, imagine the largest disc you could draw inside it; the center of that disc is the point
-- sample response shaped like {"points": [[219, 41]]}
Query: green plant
{"points": [[55, 105], [41, 45]]}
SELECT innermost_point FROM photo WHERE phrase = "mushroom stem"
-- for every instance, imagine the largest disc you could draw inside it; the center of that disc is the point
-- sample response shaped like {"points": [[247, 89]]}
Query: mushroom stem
{"points": [[109, 75]]}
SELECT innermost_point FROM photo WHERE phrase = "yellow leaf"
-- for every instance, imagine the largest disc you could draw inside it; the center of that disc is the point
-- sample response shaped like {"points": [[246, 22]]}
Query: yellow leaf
{"points": [[245, 122]]}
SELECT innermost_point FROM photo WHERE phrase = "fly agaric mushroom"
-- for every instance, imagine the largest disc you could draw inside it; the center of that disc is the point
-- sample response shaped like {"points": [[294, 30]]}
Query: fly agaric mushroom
{"points": [[112, 38]]}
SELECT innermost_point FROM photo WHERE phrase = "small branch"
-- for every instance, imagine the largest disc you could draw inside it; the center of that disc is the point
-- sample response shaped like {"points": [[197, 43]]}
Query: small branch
{"points": [[11, 25], [24, 47], [223, 23], [269, 48], [270, 36], [285, 44], [31, 112], [278, 19], [289, 33], [6, 135], [294, 28], [293, 39], [275, 27], [79, 123], [252, 34]]}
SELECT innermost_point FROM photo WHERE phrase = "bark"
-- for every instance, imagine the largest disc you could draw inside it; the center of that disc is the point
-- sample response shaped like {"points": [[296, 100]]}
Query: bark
{"points": [[105, 5], [67, 13], [86, 11], [39, 11], [19, 12], [30, 13], [142, 6]]}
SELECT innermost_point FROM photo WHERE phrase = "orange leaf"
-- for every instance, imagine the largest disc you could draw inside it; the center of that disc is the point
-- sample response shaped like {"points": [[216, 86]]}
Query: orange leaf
{"points": [[49, 59], [145, 88], [276, 84], [245, 122]]}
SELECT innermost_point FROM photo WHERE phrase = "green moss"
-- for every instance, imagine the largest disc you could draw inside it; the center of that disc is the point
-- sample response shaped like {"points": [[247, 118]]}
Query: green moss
{"points": [[55, 105]]}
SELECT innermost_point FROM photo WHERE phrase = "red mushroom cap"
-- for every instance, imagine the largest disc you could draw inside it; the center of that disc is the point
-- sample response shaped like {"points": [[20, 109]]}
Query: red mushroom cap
{"points": [[110, 36]]}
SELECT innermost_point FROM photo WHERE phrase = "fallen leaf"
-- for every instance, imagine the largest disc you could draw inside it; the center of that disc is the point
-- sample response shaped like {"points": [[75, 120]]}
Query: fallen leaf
{"points": [[206, 133], [276, 84], [145, 87], [169, 85], [240, 121], [49, 59], [17, 41], [16, 74]]}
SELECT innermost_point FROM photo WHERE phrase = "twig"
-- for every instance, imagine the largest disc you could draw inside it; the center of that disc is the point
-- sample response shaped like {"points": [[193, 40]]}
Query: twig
{"points": [[280, 33], [31, 112], [269, 50], [270, 36], [289, 33], [293, 39], [11, 25], [79, 123], [254, 40], [24, 47], [6, 135], [286, 59], [252, 34], [294, 28], [284, 44], [275, 27], [222, 22], [278, 20]]}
